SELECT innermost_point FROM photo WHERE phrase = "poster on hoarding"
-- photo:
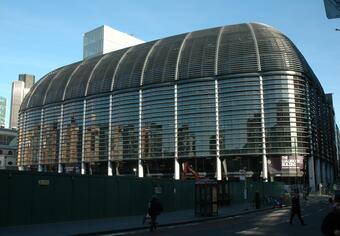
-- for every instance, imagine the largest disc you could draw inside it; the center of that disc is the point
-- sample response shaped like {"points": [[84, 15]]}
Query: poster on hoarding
{"points": [[291, 162]]}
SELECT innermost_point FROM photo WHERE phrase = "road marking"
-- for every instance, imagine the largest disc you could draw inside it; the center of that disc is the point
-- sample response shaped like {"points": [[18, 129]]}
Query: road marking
{"points": [[190, 224], [251, 231]]}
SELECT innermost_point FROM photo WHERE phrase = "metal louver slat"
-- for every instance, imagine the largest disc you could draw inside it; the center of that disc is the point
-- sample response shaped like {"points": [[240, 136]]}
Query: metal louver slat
{"points": [[37, 96], [161, 65], [130, 69], [237, 53], [56, 90], [102, 76], [198, 54], [77, 85]]}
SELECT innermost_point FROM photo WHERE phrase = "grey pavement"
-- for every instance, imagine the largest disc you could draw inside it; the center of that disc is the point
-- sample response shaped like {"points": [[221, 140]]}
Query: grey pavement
{"points": [[122, 224]]}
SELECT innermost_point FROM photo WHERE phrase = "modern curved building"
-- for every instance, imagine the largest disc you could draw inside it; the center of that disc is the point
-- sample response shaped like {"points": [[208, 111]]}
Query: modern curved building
{"points": [[217, 100]]}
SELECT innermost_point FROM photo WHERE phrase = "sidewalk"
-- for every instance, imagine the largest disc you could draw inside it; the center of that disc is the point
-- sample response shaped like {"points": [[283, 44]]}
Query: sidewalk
{"points": [[119, 224]]}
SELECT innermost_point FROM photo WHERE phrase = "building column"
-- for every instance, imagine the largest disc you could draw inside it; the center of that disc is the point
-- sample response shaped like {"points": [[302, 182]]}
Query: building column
{"points": [[61, 138], [140, 161], [176, 162], [218, 160], [40, 167], [318, 171], [109, 158], [329, 169], [83, 167], [323, 172], [263, 129]]}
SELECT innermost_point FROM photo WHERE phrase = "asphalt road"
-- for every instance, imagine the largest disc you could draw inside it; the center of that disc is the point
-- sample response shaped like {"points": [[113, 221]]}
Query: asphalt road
{"points": [[271, 222]]}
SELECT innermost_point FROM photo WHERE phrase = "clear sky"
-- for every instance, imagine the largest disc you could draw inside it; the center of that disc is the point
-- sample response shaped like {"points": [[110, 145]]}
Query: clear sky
{"points": [[38, 36]]}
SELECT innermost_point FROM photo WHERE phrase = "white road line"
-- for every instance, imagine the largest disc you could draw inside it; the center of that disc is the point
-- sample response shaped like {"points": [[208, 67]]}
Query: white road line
{"points": [[251, 231]]}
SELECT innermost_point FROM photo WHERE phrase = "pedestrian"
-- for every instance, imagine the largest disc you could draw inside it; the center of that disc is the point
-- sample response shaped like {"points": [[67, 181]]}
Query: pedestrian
{"points": [[296, 209], [331, 223], [257, 200], [155, 209]]}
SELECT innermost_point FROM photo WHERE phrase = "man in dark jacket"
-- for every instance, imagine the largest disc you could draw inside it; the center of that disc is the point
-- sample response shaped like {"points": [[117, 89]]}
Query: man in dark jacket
{"points": [[296, 209], [155, 208], [331, 224]]}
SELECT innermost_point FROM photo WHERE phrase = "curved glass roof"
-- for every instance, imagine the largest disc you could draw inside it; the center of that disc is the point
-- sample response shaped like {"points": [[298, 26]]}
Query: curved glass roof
{"points": [[227, 50]]}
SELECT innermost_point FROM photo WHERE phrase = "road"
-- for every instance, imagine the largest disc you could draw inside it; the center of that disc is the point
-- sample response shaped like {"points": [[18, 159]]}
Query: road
{"points": [[270, 222]]}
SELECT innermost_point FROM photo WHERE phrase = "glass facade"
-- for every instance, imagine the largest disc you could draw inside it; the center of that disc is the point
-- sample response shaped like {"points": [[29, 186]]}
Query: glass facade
{"points": [[274, 122], [124, 132], [71, 137]]}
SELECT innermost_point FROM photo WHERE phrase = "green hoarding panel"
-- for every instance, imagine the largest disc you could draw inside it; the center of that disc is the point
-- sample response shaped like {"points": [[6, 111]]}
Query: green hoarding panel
{"points": [[4, 198], [20, 198], [97, 197], [80, 198], [111, 197], [42, 192], [62, 198]]}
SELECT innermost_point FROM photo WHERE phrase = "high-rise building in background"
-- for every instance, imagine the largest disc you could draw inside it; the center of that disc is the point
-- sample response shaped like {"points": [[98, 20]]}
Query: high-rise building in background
{"points": [[2, 111], [19, 90], [105, 39]]}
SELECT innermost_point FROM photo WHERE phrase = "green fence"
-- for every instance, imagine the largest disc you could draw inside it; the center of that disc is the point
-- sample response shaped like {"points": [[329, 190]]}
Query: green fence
{"points": [[266, 190], [30, 197]]}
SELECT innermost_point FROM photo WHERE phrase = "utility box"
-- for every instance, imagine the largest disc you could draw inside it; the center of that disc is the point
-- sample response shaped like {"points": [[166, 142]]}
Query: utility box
{"points": [[206, 197]]}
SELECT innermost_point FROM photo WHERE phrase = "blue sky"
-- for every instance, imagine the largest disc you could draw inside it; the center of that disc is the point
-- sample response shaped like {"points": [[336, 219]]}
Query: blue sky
{"points": [[38, 36]]}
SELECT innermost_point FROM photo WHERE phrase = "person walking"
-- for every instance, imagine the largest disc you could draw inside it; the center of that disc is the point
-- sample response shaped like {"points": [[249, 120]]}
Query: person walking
{"points": [[296, 209], [331, 223], [155, 209], [257, 200]]}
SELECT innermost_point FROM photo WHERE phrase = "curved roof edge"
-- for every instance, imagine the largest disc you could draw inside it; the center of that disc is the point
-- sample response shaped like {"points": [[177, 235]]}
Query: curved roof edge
{"points": [[227, 50]]}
